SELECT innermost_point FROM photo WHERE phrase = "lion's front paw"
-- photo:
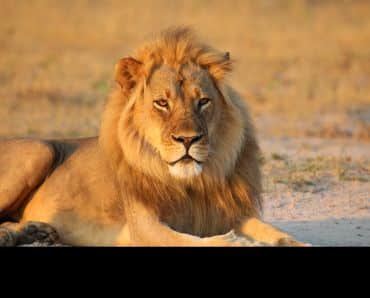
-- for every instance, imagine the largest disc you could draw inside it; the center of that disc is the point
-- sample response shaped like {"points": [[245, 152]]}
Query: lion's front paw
{"points": [[37, 231], [288, 241], [230, 239]]}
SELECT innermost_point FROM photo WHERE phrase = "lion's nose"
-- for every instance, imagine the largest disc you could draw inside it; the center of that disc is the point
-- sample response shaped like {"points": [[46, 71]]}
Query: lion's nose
{"points": [[187, 141]]}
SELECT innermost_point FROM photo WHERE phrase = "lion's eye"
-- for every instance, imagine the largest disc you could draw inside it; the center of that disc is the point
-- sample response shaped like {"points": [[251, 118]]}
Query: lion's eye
{"points": [[203, 102], [161, 104]]}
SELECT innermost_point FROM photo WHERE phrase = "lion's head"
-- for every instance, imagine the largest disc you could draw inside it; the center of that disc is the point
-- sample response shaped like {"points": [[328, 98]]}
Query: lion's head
{"points": [[172, 113]]}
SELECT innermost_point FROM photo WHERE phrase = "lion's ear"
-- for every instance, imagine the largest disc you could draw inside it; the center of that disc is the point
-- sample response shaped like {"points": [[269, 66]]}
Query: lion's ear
{"points": [[218, 69], [127, 73]]}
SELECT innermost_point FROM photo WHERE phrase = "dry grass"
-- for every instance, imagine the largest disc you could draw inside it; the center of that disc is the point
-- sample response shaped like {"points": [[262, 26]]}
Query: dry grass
{"points": [[313, 174], [296, 60]]}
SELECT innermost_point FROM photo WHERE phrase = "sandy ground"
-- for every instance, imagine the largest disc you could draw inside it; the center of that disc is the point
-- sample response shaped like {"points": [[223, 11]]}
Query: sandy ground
{"points": [[331, 211]]}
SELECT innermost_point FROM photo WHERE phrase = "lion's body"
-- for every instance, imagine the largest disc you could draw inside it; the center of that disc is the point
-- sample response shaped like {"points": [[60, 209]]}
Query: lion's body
{"points": [[171, 171], [81, 199]]}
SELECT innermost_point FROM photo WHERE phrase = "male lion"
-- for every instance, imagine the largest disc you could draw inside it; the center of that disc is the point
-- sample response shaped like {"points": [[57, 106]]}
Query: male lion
{"points": [[176, 162]]}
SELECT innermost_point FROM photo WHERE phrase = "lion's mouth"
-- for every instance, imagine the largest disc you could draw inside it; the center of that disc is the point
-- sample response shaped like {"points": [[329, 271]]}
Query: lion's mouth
{"points": [[185, 159]]}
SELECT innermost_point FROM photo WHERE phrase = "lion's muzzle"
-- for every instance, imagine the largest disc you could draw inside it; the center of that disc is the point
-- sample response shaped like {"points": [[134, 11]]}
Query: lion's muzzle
{"points": [[194, 150]]}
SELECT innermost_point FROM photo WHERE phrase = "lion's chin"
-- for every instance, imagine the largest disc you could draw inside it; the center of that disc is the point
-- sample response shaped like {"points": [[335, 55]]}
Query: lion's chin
{"points": [[185, 170]]}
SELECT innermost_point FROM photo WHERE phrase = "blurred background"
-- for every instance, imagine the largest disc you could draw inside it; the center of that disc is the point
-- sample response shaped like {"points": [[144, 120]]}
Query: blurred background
{"points": [[303, 66]]}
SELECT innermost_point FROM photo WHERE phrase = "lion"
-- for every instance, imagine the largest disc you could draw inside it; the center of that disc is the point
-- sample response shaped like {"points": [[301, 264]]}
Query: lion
{"points": [[176, 162]]}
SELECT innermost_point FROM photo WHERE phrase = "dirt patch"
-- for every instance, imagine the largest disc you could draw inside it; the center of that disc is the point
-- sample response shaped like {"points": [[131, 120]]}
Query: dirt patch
{"points": [[318, 189]]}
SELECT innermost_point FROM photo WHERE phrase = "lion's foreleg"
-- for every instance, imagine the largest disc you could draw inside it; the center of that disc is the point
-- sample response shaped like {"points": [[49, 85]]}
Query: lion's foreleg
{"points": [[145, 229], [260, 231]]}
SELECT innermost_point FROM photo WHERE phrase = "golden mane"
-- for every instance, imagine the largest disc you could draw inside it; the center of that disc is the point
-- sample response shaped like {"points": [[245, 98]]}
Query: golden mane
{"points": [[231, 187]]}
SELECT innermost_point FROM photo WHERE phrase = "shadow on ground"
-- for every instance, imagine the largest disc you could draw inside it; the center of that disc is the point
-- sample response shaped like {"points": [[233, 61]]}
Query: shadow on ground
{"points": [[330, 232]]}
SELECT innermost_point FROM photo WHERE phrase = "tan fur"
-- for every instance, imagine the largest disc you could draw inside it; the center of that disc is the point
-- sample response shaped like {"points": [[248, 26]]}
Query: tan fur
{"points": [[131, 187]]}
